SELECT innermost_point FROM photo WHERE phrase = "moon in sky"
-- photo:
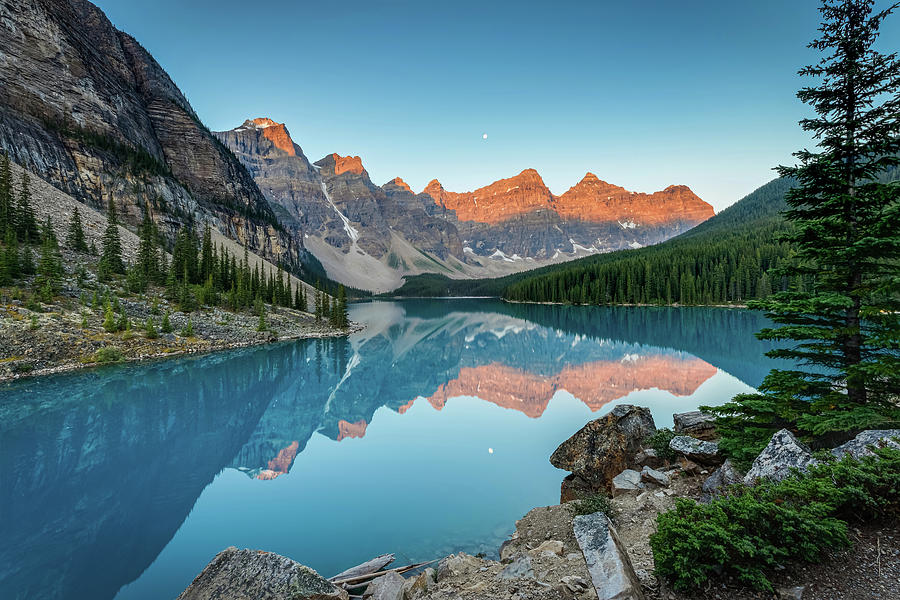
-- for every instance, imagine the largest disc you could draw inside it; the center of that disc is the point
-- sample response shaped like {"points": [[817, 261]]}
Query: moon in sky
{"points": [[484, 137]]}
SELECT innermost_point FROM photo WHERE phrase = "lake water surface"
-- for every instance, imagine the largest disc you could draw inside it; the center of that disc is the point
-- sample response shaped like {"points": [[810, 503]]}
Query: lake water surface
{"points": [[427, 433]]}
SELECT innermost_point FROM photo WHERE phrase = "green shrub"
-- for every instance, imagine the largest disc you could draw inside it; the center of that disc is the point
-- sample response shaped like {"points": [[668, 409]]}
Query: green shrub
{"points": [[188, 330], [34, 324], [750, 530], [108, 354], [22, 367], [659, 441], [151, 329], [594, 503]]}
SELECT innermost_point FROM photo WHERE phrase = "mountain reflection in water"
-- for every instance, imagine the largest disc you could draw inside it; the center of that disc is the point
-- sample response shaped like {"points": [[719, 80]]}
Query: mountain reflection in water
{"points": [[121, 480]]}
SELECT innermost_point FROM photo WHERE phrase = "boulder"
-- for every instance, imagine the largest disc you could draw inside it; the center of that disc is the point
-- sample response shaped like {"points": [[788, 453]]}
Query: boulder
{"points": [[861, 445], [696, 424], [519, 567], [648, 457], [790, 593], [253, 574], [721, 478], [607, 560], [418, 585], [604, 447], [573, 488], [777, 460], [387, 587], [698, 451], [457, 564], [625, 482], [649, 475]]}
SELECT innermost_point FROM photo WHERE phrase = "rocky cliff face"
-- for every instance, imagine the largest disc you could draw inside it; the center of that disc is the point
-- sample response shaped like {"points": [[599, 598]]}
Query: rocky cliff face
{"points": [[355, 224], [88, 109]]}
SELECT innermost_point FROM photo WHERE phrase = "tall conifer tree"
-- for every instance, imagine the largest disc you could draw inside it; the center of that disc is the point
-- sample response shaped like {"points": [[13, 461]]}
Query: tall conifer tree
{"points": [[75, 238], [842, 319], [111, 256], [26, 222]]}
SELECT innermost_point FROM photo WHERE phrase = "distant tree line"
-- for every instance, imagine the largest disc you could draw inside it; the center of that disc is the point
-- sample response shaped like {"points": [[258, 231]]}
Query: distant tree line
{"points": [[723, 268]]}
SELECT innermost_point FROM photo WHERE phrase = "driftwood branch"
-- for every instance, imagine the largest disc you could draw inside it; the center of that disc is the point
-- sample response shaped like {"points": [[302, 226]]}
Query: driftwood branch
{"points": [[364, 578]]}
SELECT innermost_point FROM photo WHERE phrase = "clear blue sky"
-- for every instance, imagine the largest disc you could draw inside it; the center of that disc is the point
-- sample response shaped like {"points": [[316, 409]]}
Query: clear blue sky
{"points": [[643, 94]]}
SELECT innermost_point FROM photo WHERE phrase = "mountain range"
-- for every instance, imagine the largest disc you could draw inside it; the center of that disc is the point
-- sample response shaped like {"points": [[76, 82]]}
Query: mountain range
{"points": [[86, 108], [371, 236]]}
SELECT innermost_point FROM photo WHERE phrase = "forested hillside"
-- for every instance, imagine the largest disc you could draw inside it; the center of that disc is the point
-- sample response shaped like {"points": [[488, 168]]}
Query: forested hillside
{"points": [[731, 250], [725, 260]]}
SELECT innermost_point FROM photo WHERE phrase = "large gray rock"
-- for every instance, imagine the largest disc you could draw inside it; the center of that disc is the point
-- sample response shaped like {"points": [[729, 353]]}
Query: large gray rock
{"points": [[457, 564], [649, 475], [861, 445], [699, 451], [696, 424], [255, 575], [625, 482], [387, 587], [520, 567], [777, 460], [719, 481], [607, 560], [606, 446]]}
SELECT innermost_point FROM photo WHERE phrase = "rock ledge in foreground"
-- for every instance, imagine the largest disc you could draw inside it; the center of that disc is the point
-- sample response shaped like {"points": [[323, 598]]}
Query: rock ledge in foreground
{"points": [[256, 575], [611, 571]]}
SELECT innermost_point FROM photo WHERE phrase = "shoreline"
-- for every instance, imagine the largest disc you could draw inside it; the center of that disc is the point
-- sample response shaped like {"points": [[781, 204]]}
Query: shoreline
{"points": [[37, 340], [71, 367]]}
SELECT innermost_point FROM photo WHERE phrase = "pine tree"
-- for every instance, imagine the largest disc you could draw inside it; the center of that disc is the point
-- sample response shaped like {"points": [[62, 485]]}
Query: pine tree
{"points": [[75, 238], [10, 267], [26, 265], [262, 320], [147, 260], [150, 329], [207, 263], [109, 320], [166, 326], [844, 325], [111, 257], [318, 303], [49, 268], [298, 297], [342, 320], [26, 223]]}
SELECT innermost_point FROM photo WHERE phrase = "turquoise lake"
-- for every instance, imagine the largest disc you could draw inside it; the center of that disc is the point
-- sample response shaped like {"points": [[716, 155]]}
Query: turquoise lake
{"points": [[427, 433]]}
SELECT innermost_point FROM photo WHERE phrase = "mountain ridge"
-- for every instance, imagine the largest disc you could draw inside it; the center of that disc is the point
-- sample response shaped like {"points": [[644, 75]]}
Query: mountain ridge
{"points": [[373, 236]]}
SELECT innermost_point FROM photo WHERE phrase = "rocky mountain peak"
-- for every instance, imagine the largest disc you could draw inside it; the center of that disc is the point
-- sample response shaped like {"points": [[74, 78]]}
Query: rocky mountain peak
{"points": [[433, 186], [398, 182], [276, 133], [263, 122], [347, 164]]}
